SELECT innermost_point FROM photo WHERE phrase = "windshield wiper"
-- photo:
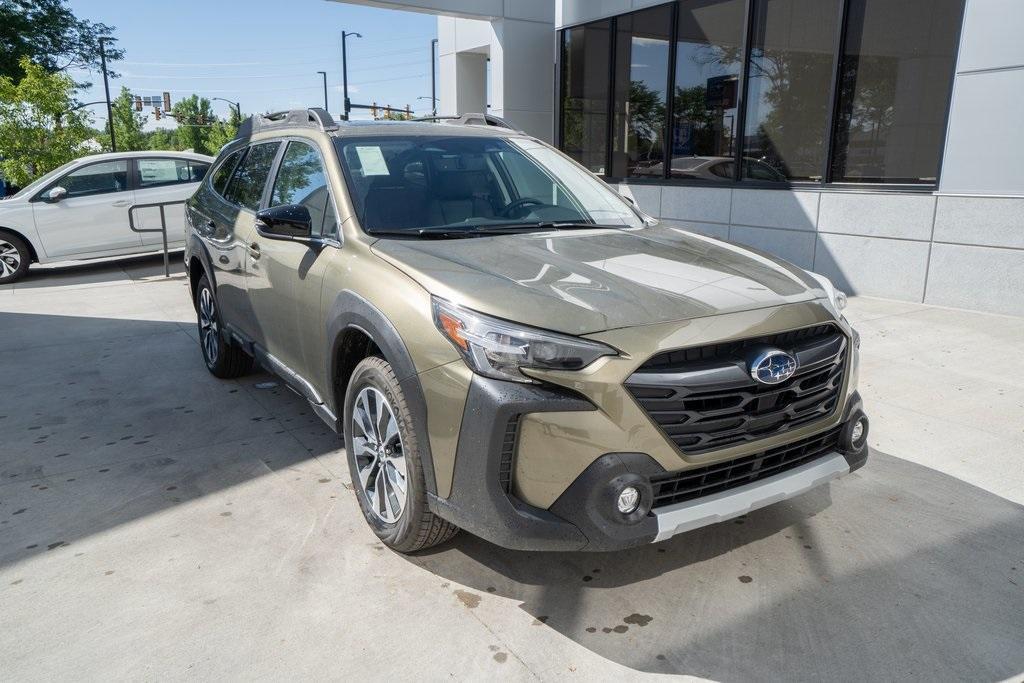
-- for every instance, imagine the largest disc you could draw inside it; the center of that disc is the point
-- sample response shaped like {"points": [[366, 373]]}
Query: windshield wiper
{"points": [[443, 232]]}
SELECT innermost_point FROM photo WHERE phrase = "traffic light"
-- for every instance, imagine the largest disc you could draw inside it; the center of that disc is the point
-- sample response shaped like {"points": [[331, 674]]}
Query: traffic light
{"points": [[138, 103], [156, 113]]}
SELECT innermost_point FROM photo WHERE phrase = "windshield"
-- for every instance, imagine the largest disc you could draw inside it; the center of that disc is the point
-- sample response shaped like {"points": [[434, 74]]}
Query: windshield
{"points": [[465, 184]]}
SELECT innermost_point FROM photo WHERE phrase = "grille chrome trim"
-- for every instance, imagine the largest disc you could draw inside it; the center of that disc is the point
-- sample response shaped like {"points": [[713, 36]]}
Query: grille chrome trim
{"points": [[704, 399]]}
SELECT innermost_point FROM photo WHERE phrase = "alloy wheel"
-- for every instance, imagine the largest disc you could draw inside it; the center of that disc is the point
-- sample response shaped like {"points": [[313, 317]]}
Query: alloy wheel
{"points": [[208, 329], [10, 259], [379, 455]]}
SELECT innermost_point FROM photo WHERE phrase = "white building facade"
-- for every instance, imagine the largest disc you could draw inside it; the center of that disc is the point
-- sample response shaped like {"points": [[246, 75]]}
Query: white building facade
{"points": [[878, 142]]}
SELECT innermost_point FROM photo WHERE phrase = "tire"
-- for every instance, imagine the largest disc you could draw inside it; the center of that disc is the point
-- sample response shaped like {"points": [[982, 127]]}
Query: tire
{"points": [[404, 525], [223, 359], [15, 257]]}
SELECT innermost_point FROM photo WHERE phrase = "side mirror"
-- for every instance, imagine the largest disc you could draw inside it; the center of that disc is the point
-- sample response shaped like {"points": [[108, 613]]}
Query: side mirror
{"points": [[55, 194], [290, 222]]}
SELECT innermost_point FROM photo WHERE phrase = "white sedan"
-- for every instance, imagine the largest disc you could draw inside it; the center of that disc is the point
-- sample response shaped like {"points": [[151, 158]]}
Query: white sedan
{"points": [[80, 210]]}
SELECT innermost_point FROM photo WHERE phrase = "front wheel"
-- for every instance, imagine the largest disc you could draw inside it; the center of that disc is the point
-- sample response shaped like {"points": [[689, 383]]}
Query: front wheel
{"points": [[384, 460], [14, 257], [223, 359]]}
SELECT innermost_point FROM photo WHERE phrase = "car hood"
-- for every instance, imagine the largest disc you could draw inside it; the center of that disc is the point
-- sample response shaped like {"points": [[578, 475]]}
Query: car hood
{"points": [[581, 282]]}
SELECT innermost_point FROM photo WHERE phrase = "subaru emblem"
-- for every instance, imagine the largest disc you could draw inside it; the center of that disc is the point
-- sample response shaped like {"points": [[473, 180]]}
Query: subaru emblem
{"points": [[772, 366]]}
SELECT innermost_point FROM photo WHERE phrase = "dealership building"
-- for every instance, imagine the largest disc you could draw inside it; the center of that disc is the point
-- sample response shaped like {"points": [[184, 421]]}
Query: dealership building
{"points": [[878, 142]]}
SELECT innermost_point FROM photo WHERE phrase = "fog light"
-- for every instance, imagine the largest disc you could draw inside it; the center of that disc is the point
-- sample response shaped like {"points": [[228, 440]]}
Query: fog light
{"points": [[857, 433], [629, 500]]}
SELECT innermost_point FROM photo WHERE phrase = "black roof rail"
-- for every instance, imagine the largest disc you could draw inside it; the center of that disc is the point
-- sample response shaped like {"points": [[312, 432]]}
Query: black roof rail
{"points": [[312, 117], [470, 120]]}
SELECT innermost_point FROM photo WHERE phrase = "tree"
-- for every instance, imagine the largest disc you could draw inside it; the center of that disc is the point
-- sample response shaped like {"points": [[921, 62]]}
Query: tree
{"points": [[195, 120], [223, 132], [128, 123], [162, 138], [39, 131], [46, 32]]}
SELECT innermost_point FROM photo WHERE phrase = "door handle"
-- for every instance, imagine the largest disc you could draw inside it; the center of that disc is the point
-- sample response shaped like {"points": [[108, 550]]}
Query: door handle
{"points": [[120, 203], [254, 251]]}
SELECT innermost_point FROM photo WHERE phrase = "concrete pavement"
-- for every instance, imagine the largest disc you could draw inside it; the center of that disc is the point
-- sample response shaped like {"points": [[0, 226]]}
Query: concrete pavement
{"points": [[158, 523]]}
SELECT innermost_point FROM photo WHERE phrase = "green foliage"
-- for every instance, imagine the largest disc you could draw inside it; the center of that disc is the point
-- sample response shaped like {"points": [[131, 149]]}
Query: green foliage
{"points": [[195, 123], [38, 132], [128, 124], [223, 132], [47, 33], [163, 138]]}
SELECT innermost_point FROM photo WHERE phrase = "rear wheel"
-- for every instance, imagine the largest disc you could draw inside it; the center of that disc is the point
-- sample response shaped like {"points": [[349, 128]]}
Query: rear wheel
{"points": [[223, 359], [14, 257], [384, 460]]}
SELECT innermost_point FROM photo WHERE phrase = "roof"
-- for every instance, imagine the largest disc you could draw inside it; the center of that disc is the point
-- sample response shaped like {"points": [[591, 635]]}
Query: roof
{"points": [[104, 156]]}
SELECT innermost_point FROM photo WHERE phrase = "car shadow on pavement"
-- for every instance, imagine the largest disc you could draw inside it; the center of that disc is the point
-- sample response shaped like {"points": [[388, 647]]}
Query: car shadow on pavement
{"points": [[102, 271], [897, 571], [115, 419]]}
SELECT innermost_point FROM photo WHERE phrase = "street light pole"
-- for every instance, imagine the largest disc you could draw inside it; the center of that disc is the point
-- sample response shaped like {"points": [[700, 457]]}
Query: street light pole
{"points": [[236, 105], [344, 71], [106, 89], [324, 74], [433, 77]]}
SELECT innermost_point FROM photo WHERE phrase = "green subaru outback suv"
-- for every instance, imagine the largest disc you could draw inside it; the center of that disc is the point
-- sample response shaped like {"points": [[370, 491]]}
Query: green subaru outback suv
{"points": [[508, 345]]}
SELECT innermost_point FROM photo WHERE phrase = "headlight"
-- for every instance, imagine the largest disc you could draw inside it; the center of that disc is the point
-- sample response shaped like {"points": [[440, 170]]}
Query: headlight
{"points": [[499, 349], [836, 296]]}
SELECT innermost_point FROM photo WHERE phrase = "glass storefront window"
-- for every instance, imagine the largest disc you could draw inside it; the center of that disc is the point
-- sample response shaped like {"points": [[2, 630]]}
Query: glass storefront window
{"points": [[709, 58], [894, 85], [586, 61], [641, 80], [790, 77]]}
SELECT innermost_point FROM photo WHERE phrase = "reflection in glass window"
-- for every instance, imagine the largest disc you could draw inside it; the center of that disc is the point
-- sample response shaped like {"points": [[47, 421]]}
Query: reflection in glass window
{"points": [[791, 66], [585, 65], [709, 58], [894, 85], [223, 173], [246, 186], [641, 77], [101, 178], [301, 180]]}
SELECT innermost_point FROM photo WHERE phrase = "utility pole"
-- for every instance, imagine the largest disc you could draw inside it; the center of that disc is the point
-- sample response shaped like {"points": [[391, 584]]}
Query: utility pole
{"points": [[344, 71], [433, 77], [106, 89], [324, 74], [237, 106]]}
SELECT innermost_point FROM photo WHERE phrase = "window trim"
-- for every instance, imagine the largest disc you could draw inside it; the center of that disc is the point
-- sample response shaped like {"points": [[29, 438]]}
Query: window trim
{"points": [[825, 183], [339, 239]]}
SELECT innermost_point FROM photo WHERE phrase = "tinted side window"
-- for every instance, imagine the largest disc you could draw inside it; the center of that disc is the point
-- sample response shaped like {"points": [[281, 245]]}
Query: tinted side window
{"points": [[246, 186], [223, 172], [156, 172], [197, 170], [101, 178], [301, 180]]}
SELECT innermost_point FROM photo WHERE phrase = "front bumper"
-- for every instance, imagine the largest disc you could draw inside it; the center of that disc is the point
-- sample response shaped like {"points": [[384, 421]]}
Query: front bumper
{"points": [[584, 517]]}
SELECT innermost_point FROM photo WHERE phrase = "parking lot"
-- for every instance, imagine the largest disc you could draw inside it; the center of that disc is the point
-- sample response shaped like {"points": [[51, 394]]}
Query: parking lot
{"points": [[158, 523]]}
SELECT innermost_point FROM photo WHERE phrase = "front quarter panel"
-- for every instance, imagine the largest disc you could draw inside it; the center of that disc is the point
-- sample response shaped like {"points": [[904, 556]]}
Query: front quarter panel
{"points": [[16, 216]]}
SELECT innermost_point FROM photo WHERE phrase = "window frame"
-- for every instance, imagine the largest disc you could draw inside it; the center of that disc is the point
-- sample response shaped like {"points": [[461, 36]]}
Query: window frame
{"points": [[130, 178], [826, 183], [137, 172], [336, 241]]}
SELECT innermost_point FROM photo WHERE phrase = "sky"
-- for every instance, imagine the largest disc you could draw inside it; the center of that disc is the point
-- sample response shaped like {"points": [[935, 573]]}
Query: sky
{"points": [[262, 54]]}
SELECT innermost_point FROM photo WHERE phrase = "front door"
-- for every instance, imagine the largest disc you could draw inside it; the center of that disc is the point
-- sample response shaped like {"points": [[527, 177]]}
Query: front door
{"points": [[92, 218], [285, 278]]}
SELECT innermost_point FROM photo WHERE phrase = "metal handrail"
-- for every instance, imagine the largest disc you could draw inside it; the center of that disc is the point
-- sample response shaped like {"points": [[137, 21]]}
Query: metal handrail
{"points": [[162, 229]]}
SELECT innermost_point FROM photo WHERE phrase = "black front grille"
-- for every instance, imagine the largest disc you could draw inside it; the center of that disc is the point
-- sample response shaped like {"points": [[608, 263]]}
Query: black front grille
{"points": [[677, 487], [704, 398]]}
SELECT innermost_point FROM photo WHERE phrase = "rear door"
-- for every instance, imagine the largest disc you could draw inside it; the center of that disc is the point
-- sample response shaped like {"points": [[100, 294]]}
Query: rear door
{"points": [[93, 217], [165, 179]]}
